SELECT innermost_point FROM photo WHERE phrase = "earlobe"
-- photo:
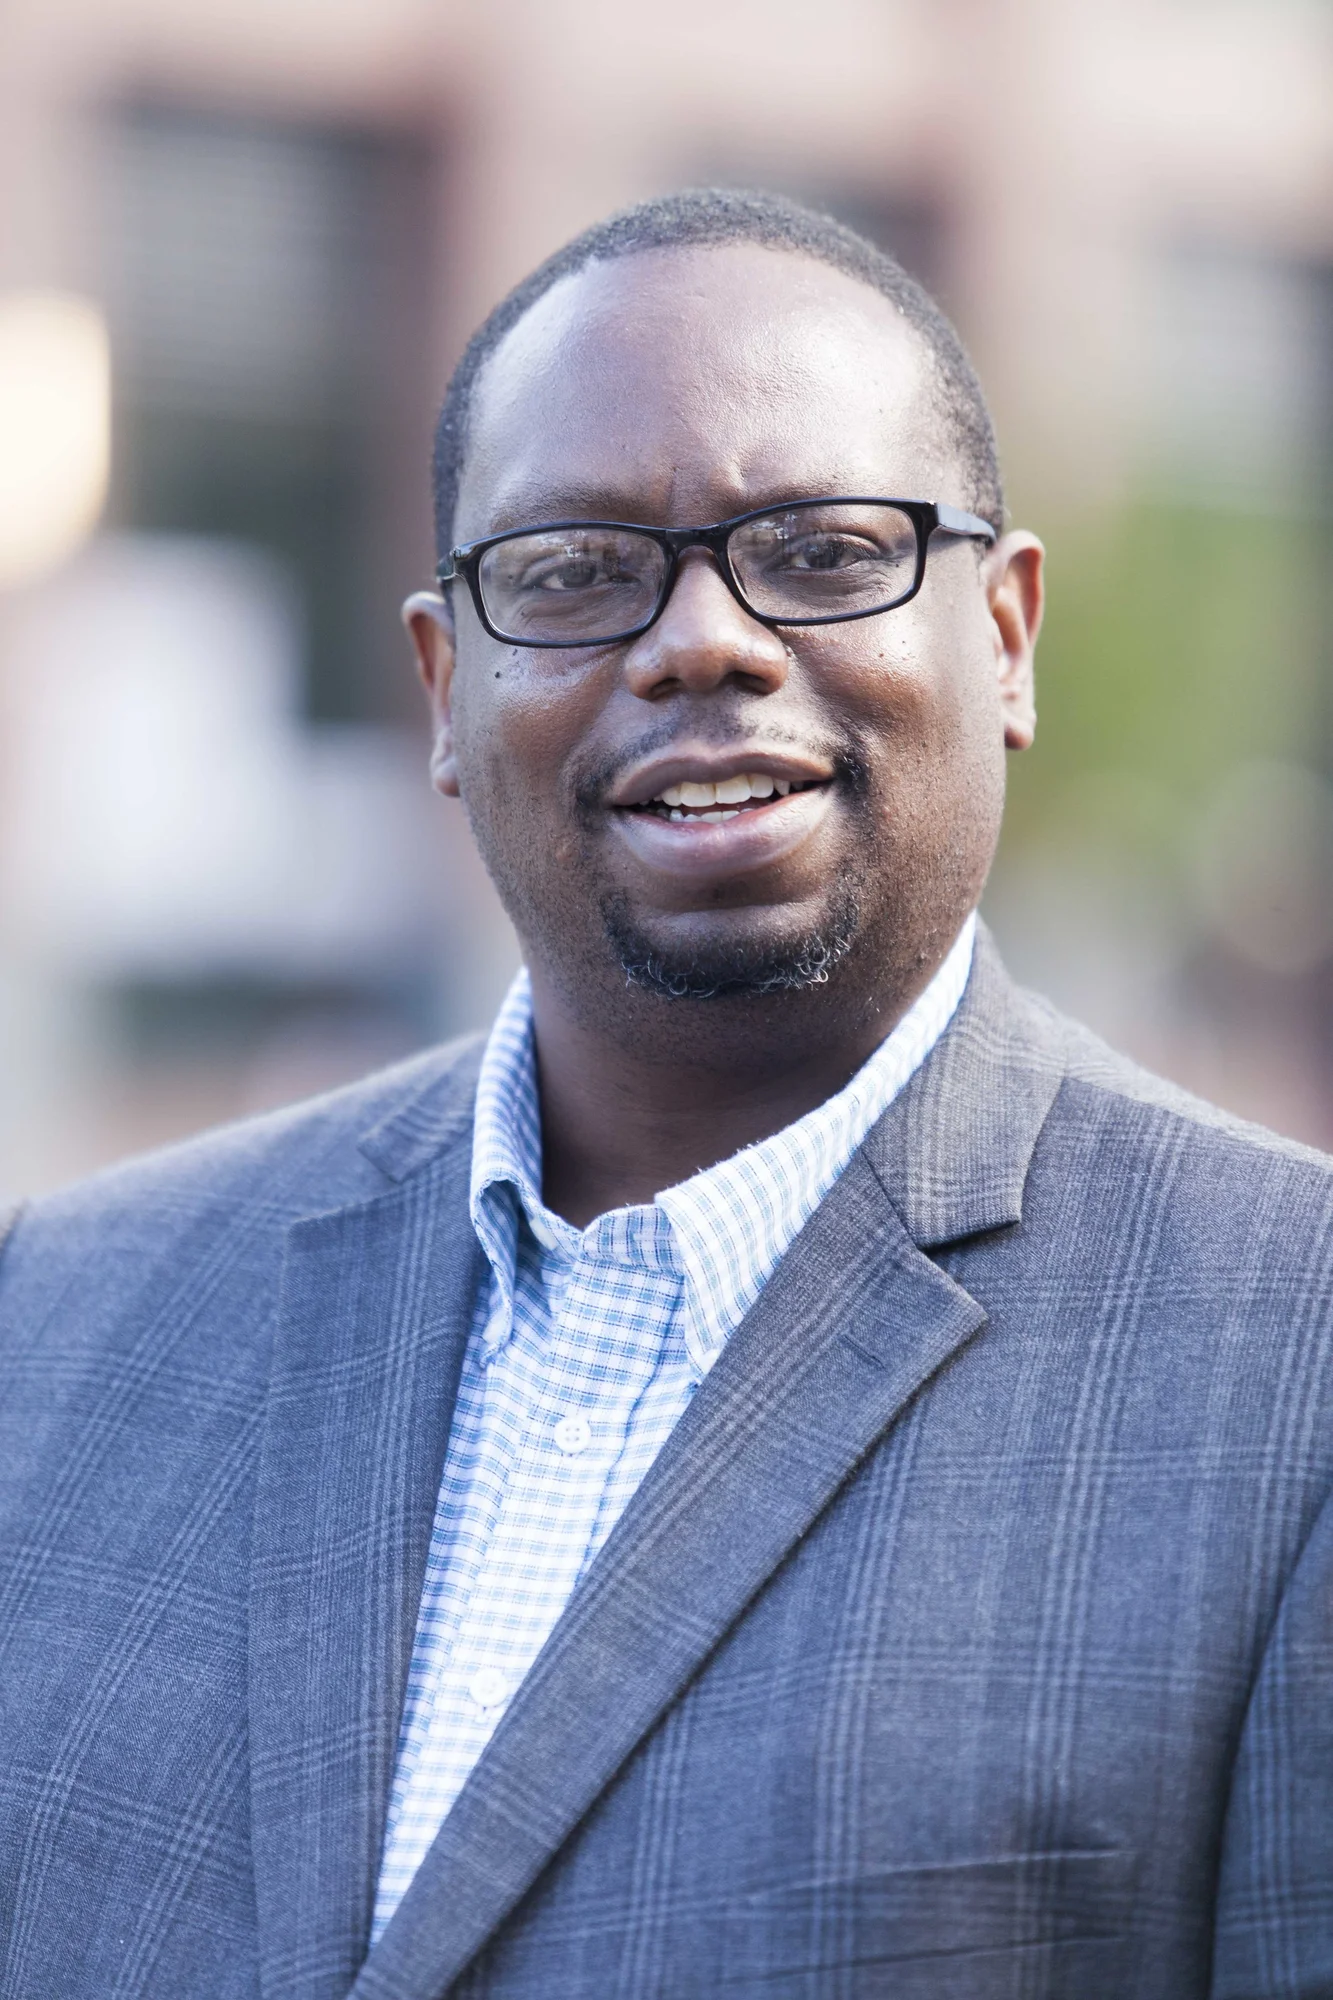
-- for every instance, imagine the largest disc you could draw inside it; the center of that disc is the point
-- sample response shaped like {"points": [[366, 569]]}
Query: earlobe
{"points": [[430, 626]]}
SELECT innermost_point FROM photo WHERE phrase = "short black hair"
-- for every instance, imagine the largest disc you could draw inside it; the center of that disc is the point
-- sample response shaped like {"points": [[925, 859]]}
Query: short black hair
{"points": [[703, 216]]}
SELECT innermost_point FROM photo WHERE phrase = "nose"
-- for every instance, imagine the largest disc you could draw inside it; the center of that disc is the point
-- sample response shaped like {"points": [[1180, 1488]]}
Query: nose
{"points": [[704, 638]]}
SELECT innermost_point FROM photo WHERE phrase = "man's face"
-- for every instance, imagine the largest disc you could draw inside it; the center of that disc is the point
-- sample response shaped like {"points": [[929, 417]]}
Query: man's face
{"points": [[679, 388]]}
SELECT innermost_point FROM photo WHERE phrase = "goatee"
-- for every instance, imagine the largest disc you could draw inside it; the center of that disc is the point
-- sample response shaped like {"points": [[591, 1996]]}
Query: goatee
{"points": [[788, 965]]}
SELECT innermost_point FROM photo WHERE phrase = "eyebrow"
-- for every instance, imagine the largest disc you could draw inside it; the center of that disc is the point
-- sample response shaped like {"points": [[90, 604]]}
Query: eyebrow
{"points": [[531, 507]]}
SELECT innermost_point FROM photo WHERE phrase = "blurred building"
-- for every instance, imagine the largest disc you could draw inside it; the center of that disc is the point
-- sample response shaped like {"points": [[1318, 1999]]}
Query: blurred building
{"points": [[239, 251]]}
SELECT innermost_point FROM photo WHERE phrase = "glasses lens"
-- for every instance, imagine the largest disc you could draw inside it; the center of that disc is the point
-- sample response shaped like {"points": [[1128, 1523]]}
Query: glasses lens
{"points": [[825, 561], [571, 586]]}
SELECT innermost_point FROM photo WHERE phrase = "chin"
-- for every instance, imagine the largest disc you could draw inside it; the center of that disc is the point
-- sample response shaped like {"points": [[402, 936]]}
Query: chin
{"points": [[791, 960]]}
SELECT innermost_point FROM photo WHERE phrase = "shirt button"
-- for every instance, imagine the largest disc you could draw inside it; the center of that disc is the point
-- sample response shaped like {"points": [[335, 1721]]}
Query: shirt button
{"points": [[489, 1687], [572, 1435]]}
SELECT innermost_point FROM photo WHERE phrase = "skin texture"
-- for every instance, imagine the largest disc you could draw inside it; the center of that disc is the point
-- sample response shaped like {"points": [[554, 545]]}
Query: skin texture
{"points": [[674, 388]]}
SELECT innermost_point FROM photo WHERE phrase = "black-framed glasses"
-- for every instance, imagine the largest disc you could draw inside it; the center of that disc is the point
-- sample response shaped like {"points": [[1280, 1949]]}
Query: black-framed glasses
{"points": [[810, 562]]}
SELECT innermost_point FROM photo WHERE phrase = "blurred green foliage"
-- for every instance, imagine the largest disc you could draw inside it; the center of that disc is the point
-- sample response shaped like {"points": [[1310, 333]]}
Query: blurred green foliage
{"points": [[1178, 641]]}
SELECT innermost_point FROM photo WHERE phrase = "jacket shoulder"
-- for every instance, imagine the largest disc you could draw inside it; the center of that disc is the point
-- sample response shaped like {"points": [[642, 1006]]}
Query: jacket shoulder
{"points": [[1095, 1071], [345, 1145]]}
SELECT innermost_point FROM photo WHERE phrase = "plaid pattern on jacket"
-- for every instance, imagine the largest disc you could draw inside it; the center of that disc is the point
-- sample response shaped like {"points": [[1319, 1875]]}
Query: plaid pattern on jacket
{"points": [[972, 1634]]}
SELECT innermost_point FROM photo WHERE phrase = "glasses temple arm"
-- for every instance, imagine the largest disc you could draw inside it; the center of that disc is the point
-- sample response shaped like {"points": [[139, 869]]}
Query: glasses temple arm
{"points": [[955, 522]]}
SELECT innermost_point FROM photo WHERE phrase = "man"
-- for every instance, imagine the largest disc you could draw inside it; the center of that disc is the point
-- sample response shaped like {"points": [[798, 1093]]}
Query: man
{"points": [[791, 1470]]}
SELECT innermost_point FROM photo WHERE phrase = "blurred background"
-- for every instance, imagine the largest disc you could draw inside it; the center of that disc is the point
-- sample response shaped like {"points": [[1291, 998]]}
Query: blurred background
{"points": [[240, 249]]}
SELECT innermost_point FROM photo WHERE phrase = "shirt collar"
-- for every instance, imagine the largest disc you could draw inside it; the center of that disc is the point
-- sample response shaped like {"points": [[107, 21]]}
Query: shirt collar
{"points": [[507, 1167], [724, 1229], [735, 1221]]}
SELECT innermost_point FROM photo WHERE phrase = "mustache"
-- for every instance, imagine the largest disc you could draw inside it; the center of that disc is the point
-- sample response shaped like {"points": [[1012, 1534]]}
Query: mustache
{"points": [[850, 766]]}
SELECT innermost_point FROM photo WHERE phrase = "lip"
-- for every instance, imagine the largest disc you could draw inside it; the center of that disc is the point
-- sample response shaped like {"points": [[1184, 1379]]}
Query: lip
{"points": [[645, 782], [696, 851]]}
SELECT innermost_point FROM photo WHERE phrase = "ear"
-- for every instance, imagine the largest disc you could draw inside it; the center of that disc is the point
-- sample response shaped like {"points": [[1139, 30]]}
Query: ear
{"points": [[430, 626], [1015, 593]]}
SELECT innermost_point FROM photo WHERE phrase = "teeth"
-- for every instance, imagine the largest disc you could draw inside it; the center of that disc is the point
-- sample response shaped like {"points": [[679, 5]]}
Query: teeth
{"points": [[726, 792]]}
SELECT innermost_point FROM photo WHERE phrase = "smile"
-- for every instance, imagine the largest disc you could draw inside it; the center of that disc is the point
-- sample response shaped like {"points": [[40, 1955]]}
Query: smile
{"points": [[698, 828], [709, 801]]}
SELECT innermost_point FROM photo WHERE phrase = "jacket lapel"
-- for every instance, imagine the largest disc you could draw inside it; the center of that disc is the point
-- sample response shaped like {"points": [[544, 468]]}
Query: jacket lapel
{"points": [[374, 1315], [853, 1324], [953, 1150], [843, 1336]]}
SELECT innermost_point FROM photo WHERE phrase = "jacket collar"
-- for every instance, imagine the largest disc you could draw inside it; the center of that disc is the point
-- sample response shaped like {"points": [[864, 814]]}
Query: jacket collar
{"points": [[953, 1151], [437, 1114]]}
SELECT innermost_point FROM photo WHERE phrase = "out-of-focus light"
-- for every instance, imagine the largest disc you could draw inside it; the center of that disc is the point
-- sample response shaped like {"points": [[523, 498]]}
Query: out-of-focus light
{"points": [[55, 428]]}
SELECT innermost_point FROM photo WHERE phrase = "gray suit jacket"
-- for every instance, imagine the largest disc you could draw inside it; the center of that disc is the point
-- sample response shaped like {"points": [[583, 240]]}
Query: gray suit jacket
{"points": [[970, 1637]]}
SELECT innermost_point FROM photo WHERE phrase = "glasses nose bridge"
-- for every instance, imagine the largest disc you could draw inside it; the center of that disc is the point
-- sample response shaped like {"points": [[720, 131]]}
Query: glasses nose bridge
{"points": [[714, 538]]}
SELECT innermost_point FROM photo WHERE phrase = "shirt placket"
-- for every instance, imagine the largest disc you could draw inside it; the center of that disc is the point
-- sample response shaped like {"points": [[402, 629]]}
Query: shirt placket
{"points": [[603, 1352]]}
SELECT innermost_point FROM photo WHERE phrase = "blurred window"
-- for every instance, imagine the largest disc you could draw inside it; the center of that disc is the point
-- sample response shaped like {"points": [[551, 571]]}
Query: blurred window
{"points": [[269, 329]]}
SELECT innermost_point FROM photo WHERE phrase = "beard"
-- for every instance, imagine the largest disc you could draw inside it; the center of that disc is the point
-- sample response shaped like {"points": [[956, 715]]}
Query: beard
{"points": [[741, 967], [732, 970]]}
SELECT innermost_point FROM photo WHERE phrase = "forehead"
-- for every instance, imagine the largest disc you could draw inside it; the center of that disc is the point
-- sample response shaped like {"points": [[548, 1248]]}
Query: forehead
{"points": [[683, 385]]}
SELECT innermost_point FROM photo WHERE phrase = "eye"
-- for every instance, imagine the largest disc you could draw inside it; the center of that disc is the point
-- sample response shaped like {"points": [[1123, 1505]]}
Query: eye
{"points": [[825, 552], [567, 571], [575, 573]]}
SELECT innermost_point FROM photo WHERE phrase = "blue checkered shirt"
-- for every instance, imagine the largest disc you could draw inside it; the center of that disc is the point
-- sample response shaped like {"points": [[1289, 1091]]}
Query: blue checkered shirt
{"points": [[586, 1347]]}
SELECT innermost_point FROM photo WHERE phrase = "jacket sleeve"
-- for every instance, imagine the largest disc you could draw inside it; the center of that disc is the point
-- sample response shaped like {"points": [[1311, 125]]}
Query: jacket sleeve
{"points": [[1274, 1923]]}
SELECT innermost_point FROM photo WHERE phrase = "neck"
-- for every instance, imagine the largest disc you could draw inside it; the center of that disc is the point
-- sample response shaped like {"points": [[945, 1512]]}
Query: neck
{"points": [[680, 1085]]}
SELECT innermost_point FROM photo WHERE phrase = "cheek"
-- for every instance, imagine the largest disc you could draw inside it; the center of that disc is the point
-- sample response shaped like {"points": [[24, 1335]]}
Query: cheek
{"points": [[922, 704], [908, 692], [514, 730]]}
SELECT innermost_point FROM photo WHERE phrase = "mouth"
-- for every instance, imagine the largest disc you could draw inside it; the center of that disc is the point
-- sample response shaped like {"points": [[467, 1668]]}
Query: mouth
{"points": [[710, 801], [704, 788], [701, 820]]}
